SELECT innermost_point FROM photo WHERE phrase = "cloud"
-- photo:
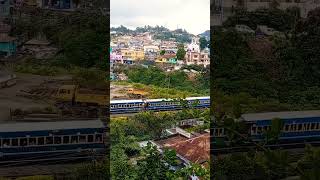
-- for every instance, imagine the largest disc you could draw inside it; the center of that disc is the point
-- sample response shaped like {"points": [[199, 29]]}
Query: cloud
{"points": [[192, 15]]}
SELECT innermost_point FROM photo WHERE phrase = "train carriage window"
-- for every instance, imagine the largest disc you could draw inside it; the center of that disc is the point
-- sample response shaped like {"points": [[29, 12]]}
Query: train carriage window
{"points": [[286, 127], [66, 139], [308, 126], [14, 142], [90, 138], [304, 126], [6, 142], [254, 130], [83, 139], [23, 141], [259, 129], [98, 137], [32, 141], [74, 139], [313, 126], [264, 128], [57, 140], [40, 140], [49, 140]]}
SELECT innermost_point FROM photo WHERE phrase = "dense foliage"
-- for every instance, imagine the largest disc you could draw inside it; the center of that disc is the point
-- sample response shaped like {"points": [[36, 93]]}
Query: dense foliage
{"points": [[284, 70], [80, 36], [177, 79], [130, 161], [269, 165], [261, 74]]}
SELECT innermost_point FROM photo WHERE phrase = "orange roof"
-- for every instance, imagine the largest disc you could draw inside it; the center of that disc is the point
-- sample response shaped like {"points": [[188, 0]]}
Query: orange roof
{"points": [[167, 56], [196, 149]]}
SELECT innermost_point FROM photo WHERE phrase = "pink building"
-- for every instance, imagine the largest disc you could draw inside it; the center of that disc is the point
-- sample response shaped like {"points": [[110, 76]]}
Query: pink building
{"points": [[116, 58]]}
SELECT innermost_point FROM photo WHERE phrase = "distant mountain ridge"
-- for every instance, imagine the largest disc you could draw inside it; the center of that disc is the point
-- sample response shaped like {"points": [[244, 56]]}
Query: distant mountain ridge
{"points": [[160, 32], [205, 34]]}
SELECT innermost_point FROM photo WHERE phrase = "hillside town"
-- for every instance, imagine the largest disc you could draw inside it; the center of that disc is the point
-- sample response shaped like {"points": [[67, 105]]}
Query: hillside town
{"points": [[145, 49]]}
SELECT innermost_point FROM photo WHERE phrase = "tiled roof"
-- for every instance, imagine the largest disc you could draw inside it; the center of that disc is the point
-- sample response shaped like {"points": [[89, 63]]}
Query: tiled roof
{"points": [[168, 56], [195, 149]]}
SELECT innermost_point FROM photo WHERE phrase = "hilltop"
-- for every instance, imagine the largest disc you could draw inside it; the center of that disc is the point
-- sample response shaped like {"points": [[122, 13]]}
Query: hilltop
{"points": [[160, 32]]}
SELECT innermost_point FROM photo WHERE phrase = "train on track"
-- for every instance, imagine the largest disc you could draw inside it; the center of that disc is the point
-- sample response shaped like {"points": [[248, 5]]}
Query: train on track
{"points": [[295, 130], [139, 105], [45, 141]]}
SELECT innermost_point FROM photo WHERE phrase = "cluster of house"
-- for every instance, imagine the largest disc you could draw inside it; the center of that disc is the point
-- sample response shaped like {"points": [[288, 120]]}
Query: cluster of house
{"points": [[191, 148], [136, 49], [222, 9]]}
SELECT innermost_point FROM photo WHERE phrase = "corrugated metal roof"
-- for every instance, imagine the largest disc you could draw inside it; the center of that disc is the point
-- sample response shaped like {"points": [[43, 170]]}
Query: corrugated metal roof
{"points": [[45, 126], [281, 115]]}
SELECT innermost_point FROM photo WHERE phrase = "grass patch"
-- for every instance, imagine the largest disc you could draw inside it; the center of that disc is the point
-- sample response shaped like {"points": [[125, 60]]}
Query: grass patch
{"points": [[160, 92], [40, 177]]}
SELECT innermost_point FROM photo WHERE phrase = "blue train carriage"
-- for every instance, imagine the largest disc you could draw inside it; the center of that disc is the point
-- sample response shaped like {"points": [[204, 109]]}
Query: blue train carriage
{"points": [[297, 126], [133, 106], [52, 140], [297, 129], [162, 104], [199, 102], [126, 106]]}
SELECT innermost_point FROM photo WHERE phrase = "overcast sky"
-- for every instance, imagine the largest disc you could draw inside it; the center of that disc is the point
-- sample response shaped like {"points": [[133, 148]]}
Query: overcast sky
{"points": [[192, 15]]}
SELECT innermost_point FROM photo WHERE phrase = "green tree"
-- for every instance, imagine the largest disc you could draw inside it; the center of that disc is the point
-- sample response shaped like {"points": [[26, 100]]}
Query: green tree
{"points": [[203, 43], [120, 167], [162, 52], [273, 134], [151, 166], [309, 164], [181, 53], [86, 49]]}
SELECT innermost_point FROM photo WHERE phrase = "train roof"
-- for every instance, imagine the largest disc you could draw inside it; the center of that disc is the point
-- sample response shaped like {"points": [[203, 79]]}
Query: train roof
{"points": [[126, 101], [193, 98], [281, 115], [45, 126], [154, 100]]}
